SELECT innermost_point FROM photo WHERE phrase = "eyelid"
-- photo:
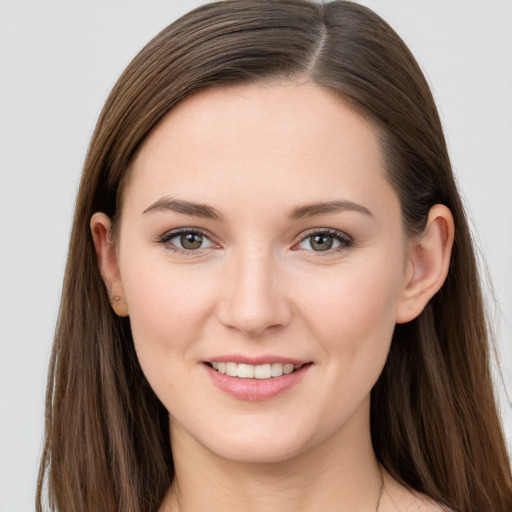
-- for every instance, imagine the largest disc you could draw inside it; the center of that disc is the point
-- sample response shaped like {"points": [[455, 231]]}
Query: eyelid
{"points": [[345, 239], [173, 233]]}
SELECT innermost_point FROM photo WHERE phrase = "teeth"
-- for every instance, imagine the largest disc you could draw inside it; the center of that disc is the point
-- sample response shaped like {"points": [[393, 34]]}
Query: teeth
{"points": [[232, 369], [245, 371], [277, 369], [260, 371], [263, 371], [288, 368]]}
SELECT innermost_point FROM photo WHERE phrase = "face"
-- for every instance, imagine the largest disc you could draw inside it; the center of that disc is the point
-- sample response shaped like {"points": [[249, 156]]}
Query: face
{"points": [[259, 236]]}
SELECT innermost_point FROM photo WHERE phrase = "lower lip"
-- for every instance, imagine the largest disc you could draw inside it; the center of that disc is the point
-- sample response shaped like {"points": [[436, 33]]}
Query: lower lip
{"points": [[256, 389]]}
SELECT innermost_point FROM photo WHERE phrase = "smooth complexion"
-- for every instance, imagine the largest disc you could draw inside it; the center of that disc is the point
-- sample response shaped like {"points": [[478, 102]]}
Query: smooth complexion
{"points": [[258, 227]]}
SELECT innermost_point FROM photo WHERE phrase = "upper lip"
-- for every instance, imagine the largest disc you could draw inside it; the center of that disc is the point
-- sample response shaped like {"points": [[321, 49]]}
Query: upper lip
{"points": [[256, 360]]}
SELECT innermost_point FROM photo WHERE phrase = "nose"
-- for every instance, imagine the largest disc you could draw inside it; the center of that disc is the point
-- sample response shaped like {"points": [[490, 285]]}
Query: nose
{"points": [[254, 297]]}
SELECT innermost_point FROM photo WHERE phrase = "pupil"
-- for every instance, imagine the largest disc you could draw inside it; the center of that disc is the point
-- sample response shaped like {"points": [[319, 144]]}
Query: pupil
{"points": [[321, 242], [191, 241]]}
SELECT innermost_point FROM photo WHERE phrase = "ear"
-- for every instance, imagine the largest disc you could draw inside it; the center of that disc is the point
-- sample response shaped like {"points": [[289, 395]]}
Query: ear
{"points": [[101, 227], [428, 263]]}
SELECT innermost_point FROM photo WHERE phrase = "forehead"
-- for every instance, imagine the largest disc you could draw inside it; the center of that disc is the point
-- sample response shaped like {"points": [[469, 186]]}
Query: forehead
{"points": [[293, 141]]}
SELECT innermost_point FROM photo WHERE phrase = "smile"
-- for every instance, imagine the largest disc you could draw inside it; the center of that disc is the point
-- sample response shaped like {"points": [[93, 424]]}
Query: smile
{"points": [[260, 371], [263, 381]]}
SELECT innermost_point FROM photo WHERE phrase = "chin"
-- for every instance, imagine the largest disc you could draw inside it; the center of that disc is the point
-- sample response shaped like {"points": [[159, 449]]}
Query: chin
{"points": [[257, 451], [257, 444]]}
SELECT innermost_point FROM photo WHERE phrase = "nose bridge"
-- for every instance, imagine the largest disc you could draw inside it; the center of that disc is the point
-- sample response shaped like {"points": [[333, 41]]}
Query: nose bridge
{"points": [[254, 298]]}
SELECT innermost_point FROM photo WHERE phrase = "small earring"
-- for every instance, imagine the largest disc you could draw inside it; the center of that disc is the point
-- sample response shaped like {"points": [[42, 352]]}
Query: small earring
{"points": [[118, 305]]}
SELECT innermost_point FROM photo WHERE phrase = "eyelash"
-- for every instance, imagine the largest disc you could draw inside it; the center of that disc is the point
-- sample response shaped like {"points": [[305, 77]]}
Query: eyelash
{"points": [[344, 240], [166, 238]]}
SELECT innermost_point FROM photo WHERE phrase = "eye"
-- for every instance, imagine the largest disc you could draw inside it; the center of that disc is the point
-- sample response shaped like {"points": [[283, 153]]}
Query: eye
{"points": [[325, 240], [186, 240]]}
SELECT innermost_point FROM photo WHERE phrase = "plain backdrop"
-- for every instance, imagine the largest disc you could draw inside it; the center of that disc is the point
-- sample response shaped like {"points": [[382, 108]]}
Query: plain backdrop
{"points": [[59, 60]]}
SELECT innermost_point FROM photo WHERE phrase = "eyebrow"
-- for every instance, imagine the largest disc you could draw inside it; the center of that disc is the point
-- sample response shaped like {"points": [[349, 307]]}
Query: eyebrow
{"points": [[208, 212], [185, 207], [315, 209]]}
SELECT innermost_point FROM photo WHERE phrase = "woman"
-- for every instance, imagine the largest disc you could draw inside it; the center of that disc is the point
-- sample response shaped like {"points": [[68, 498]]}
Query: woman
{"points": [[271, 293]]}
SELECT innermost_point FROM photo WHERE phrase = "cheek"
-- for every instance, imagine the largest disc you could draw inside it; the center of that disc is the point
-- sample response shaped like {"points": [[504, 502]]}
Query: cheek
{"points": [[167, 308], [353, 313]]}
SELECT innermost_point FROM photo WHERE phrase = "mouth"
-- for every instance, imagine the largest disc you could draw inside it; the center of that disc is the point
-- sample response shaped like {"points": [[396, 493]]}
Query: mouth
{"points": [[261, 371], [256, 382]]}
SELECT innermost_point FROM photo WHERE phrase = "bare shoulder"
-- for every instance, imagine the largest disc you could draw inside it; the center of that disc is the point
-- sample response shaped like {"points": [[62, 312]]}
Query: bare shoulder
{"points": [[397, 498]]}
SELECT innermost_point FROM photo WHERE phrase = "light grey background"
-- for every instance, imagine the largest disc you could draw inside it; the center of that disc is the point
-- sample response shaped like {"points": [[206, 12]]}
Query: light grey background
{"points": [[58, 61]]}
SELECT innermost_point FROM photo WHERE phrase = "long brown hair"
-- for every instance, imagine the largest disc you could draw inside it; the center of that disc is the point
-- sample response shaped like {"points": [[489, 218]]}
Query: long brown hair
{"points": [[434, 421]]}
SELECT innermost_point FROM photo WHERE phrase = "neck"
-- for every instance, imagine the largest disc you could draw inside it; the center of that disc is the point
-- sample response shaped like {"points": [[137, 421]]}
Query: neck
{"points": [[341, 474]]}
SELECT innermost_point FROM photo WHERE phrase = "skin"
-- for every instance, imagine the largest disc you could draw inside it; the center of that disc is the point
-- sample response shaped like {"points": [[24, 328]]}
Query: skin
{"points": [[257, 286]]}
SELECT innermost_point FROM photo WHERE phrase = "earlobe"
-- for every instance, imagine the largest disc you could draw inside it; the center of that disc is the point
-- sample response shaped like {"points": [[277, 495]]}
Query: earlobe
{"points": [[428, 263], [101, 228]]}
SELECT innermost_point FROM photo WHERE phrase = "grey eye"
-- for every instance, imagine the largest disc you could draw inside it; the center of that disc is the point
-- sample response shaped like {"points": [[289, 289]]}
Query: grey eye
{"points": [[189, 240], [323, 241]]}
